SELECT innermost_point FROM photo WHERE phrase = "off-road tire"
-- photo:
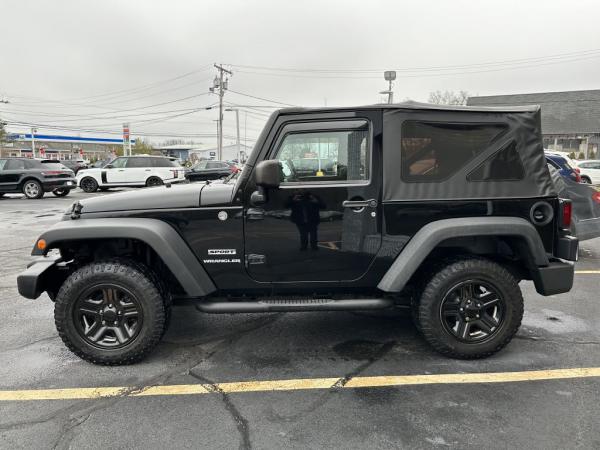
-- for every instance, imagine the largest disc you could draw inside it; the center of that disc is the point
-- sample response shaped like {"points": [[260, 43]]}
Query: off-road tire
{"points": [[154, 181], [130, 275], [88, 184], [61, 192], [32, 189], [453, 272]]}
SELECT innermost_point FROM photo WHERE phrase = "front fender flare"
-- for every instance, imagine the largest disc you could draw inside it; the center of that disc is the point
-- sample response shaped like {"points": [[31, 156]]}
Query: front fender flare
{"points": [[159, 235], [432, 234]]}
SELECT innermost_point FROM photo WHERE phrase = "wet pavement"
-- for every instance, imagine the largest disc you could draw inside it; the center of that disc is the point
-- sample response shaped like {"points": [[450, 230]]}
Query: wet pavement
{"points": [[558, 332]]}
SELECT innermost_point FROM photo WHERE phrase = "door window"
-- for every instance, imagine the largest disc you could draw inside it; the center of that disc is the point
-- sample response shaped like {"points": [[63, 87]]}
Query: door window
{"points": [[2, 163], [138, 162], [119, 163], [328, 156]]}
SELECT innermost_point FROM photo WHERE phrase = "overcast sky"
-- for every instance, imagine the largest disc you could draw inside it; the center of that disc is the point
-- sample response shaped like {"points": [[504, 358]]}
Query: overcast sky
{"points": [[91, 65]]}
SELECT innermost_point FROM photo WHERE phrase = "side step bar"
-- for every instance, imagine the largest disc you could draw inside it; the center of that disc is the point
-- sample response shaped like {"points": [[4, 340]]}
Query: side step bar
{"points": [[298, 305]]}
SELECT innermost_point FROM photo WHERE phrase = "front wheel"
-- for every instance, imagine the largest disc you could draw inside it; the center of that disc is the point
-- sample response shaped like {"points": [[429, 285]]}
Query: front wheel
{"points": [[110, 312], [471, 308], [88, 184], [33, 189], [61, 192], [586, 180]]}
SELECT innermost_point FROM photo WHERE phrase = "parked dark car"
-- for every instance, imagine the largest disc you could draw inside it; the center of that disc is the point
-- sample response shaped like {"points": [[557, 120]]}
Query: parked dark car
{"points": [[33, 177], [586, 204], [74, 165], [561, 164], [210, 170]]}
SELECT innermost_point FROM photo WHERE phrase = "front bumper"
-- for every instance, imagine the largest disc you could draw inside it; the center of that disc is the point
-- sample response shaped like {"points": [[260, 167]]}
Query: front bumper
{"points": [[31, 282]]}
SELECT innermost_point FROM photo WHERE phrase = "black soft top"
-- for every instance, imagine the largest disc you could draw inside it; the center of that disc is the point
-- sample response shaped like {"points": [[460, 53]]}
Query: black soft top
{"points": [[476, 177]]}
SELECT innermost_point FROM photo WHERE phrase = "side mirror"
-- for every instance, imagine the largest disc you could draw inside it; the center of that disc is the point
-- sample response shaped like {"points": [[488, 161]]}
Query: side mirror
{"points": [[109, 166], [267, 174]]}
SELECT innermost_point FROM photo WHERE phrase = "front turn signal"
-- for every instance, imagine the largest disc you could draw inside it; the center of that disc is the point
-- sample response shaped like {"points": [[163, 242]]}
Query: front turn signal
{"points": [[41, 244]]}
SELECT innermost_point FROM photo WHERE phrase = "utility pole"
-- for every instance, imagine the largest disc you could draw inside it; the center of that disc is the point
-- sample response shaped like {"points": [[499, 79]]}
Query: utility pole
{"points": [[389, 76], [237, 127], [220, 83], [33, 131]]}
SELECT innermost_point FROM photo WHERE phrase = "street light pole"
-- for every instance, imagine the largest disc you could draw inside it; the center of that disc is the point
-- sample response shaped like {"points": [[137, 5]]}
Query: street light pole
{"points": [[237, 127], [389, 76]]}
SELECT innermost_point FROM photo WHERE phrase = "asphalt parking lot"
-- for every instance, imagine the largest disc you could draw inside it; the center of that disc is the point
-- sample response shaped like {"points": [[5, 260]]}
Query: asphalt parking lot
{"points": [[358, 380]]}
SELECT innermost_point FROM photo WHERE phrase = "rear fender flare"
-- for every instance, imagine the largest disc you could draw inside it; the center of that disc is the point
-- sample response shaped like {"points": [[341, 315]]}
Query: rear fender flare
{"points": [[431, 235]]}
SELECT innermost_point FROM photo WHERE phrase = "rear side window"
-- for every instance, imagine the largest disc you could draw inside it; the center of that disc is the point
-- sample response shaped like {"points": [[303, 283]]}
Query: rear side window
{"points": [[214, 165], [164, 162], [504, 165], [138, 162], [432, 151], [15, 164]]}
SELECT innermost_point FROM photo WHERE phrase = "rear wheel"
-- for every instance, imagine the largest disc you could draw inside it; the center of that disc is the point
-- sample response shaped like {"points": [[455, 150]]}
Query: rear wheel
{"points": [[154, 181], [61, 192], [88, 184], [110, 312], [33, 189], [470, 308]]}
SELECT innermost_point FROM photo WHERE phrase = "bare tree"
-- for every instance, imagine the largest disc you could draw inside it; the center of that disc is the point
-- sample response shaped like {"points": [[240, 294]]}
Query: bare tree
{"points": [[449, 97]]}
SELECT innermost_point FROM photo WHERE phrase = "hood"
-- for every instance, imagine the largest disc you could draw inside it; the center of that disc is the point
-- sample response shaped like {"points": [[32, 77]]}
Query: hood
{"points": [[177, 196]]}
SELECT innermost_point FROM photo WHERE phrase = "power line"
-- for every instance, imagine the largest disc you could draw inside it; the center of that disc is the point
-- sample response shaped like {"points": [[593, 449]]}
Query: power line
{"points": [[589, 52], [420, 75], [260, 98]]}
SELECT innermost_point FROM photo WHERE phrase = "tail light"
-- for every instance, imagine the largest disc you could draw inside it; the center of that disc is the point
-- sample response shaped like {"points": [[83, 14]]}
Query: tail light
{"points": [[576, 176], [52, 172], [577, 169], [596, 197], [566, 211]]}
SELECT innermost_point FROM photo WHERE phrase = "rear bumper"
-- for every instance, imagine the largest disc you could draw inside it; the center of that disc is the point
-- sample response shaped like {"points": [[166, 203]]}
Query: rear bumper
{"points": [[31, 281], [556, 278], [68, 183]]}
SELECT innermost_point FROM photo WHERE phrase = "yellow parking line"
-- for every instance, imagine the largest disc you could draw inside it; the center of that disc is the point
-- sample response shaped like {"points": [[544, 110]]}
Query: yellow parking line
{"points": [[299, 384], [587, 271]]}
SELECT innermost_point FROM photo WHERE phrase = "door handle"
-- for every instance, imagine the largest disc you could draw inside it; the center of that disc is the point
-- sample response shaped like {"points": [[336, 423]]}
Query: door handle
{"points": [[255, 214], [121, 170], [372, 203], [148, 170]]}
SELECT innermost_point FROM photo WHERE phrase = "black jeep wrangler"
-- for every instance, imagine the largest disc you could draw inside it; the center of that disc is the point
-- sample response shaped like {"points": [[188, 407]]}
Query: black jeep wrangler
{"points": [[440, 209]]}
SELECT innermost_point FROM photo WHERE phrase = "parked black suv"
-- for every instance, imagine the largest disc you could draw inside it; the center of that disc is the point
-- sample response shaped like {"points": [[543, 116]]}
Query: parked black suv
{"points": [[33, 177], [210, 170], [440, 209]]}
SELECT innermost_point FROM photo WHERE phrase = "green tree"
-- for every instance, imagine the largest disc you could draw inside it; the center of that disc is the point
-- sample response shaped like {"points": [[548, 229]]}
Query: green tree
{"points": [[142, 146], [3, 133]]}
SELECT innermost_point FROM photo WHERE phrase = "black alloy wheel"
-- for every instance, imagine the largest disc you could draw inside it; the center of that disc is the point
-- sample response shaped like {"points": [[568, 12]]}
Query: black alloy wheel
{"points": [[108, 316], [61, 192], [112, 312], [472, 311], [88, 184], [154, 181], [469, 308]]}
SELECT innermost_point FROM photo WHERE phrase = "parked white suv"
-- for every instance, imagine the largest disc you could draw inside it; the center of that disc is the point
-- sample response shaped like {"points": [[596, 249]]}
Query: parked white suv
{"points": [[589, 171], [136, 171]]}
